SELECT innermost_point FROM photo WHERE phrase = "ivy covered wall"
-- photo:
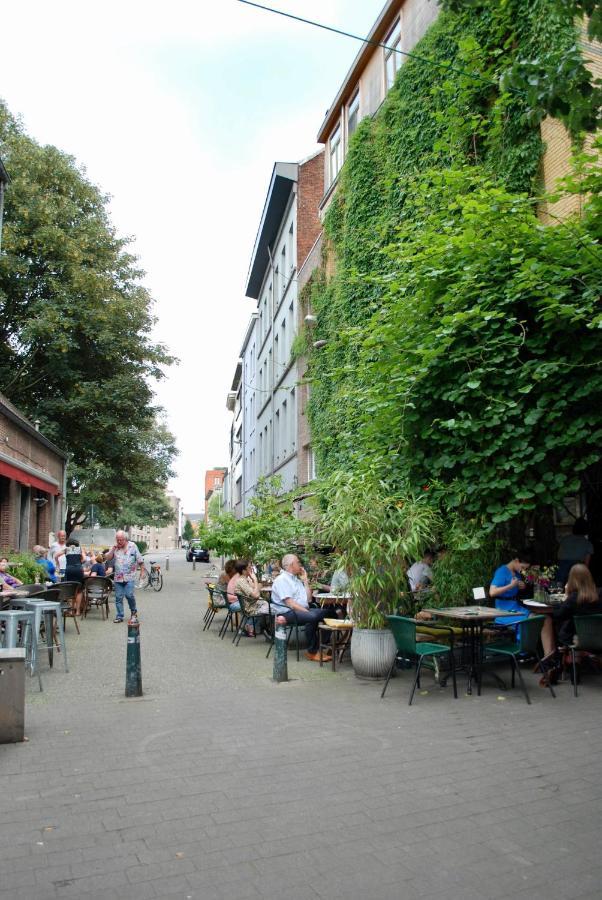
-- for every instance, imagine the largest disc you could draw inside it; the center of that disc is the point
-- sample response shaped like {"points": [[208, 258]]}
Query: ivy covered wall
{"points": [[463, 345]]}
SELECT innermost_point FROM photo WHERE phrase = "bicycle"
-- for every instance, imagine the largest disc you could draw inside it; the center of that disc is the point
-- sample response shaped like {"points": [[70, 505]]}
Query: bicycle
{"points": [[155, 578]]}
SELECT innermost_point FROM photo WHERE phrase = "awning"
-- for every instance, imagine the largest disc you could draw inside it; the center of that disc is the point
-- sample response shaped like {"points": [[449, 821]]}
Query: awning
{"points": [[26, 478]]}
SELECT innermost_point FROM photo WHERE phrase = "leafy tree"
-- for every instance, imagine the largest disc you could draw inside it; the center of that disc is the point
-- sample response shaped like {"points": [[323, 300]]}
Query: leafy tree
{"points": [[150, 509], [188, 530], [75, 325]]}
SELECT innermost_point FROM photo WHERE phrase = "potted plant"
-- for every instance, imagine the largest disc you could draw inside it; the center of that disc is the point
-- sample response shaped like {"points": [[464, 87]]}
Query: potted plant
{"points": [[378, 532]]}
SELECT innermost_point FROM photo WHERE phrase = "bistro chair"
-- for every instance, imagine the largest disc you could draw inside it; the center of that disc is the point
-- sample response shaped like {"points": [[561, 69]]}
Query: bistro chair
{"points": [[588, 632], [247, 617], [526, 643], [290, 626], [32, 588], [97, 589], [67, 592], [404, 632], [231, 617], [217, 602]]}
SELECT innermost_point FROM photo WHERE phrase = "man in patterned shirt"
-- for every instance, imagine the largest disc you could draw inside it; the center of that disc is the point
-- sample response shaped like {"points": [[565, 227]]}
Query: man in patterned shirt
{"points": [[126, 558]]}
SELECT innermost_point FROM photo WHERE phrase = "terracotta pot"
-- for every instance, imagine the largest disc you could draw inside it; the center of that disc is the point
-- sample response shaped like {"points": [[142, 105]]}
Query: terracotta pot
{"points": [[372, 652]]}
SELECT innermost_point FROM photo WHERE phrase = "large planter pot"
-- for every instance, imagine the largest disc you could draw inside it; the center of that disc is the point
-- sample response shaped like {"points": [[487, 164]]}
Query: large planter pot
{"points": [[372, 652]]}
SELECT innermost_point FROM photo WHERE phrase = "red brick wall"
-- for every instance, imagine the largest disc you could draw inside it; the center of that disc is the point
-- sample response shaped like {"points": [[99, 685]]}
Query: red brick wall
{"points": [[310, 191]]}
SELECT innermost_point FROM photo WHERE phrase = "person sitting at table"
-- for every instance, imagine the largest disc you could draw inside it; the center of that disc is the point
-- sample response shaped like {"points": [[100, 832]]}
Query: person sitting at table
{"points": [[505, 588], [583, 598], [574, 548], [420, 574], [228, 572], [41, 556], [291, 596], [98, 568], [244, 583], [9, 581]]}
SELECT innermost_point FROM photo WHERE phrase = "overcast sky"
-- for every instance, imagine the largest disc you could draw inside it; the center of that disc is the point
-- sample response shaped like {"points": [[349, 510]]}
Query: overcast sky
{"points": [[179, 110]]}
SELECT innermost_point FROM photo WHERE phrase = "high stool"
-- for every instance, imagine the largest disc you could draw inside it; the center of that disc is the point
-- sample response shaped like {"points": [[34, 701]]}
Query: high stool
{"points": [[46, 611], [12, 619], [340, 638]]}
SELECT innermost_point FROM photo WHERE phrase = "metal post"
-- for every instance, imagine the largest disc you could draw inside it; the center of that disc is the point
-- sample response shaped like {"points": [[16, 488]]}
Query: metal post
{"points": [[167, 563], [194, 564], [280, 651], [133, 675]]}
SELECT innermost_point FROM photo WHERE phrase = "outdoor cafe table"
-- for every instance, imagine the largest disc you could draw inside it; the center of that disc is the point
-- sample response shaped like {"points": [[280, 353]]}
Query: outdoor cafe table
{"points": [[331, 599], [472, 620]]}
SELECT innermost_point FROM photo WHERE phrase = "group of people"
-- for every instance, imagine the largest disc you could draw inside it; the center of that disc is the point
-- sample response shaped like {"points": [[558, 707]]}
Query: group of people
{"points": [[291, 600], [66, 560]]}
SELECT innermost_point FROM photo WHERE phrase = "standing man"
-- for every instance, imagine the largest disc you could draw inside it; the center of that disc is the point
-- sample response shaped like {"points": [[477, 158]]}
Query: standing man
{"points": [[59, 547], [291, 596], [126, 558]]}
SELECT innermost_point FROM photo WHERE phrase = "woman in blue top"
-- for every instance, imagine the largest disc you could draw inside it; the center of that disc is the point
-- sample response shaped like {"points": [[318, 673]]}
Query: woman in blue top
{"points": [[505, 587]]}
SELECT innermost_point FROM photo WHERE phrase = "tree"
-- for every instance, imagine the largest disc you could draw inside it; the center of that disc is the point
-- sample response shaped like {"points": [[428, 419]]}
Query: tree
{"points": [[188, 530], [75, 325]]}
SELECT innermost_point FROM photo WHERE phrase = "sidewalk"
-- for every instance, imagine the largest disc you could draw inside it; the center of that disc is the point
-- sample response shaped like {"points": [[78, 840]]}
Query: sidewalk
{"points": [[219, 784]]}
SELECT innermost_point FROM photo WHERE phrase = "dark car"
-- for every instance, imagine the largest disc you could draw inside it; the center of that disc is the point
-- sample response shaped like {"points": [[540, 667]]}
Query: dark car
{"points": [[196, 552]]}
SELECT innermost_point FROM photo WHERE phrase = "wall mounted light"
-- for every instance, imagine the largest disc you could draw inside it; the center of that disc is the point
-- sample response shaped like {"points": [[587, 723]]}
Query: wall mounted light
{"points": [[310, 320]]}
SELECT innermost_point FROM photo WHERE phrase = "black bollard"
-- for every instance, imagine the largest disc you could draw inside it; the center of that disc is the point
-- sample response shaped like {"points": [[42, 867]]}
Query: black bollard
{"points": [[280, 651], [133, 674]]}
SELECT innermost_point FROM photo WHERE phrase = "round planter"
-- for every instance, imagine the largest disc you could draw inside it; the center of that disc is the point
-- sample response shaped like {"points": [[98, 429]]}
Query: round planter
{"points": [[372, 652]]}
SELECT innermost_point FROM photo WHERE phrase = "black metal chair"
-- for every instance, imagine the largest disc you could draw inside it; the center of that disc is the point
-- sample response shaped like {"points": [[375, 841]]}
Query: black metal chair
{"points": [[217, 602], [588, 632], [67, 592], [290, 626], [97, 589]]}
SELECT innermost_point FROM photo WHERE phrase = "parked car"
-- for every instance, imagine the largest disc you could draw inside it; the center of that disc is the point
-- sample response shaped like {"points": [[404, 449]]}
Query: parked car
{"points": [[196, 552]]}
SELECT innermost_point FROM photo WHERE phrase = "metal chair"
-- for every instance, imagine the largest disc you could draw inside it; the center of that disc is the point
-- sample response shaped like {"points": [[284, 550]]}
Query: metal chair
{"points": [[46, 607], [97, 589], [404, 632], [32, 588], [230, 619], [215, 596], [289, 628], [67, 594], [18, 632], [529, 633], [588, 631]]}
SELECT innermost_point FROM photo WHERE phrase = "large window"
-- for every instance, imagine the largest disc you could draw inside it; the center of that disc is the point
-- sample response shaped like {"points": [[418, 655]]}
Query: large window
{"points": [[353, 114], [392, 54], [335, 150]]}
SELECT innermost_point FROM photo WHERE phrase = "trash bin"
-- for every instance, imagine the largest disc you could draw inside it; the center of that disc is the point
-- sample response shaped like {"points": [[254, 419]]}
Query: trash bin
{"points": [[12, 695]]}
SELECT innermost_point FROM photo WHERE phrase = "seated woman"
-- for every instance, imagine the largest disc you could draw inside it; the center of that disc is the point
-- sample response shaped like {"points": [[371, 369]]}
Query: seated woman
{"points": [[98, 567], [8, 581], [41, 554], [244, 582], [228, 572], [505, 588], [582, 599]]}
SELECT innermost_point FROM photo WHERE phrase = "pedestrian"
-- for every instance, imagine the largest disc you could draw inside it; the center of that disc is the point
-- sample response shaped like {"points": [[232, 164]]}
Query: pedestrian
{"points": [[74, 570], [55, 547], [126, 558]]}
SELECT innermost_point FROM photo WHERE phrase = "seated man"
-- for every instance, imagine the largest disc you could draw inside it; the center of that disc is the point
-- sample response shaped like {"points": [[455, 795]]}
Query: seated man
{"points": [[420, 575], [505, 587], [291, 595]]}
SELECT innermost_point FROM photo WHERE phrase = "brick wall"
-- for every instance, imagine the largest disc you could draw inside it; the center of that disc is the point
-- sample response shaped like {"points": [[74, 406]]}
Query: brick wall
{"points": [[310, 191], [557, 157]]}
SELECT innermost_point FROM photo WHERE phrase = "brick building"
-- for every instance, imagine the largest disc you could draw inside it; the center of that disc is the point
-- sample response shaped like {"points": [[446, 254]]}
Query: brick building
{"points": [[263, 398], [32, 482], [214, 484]]}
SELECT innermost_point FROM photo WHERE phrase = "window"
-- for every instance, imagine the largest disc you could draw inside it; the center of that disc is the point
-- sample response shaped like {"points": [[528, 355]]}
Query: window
{"points": [[293, 417], [392, 55], [277, 288], [291, 247], [353, 114], [284, 432], [277, 434], [335, 153], [311, 465], [283, 359], [284, 271]]}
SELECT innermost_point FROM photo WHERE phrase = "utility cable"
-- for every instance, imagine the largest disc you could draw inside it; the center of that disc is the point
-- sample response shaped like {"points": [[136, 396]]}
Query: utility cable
{"points": [[449, 67]]}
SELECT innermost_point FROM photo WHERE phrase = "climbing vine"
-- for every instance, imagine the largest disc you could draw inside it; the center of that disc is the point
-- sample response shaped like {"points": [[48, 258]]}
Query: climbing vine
{"points": [[460, 356]]}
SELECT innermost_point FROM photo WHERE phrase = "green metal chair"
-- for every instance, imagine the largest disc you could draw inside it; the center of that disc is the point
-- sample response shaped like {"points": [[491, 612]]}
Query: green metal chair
{"points": [[588, 630], [529, 633], [404, 632]]}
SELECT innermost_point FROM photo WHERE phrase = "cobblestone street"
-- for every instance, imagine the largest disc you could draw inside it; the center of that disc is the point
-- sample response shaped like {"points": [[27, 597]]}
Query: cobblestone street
{"points": [[220, 784]]}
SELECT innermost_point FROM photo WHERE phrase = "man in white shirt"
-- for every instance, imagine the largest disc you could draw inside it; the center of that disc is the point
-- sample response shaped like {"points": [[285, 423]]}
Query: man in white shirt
{"points": [[59, 546], [420, 575], [291, 596]]}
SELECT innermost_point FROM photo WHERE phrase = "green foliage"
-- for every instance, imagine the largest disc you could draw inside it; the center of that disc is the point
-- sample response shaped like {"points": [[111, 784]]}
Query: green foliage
{"points": [[151, 507], [267, 533], [75, 326], [24, 567], [188, 530], [462, 354], [142, 546], [378, 532], [468, 562]]}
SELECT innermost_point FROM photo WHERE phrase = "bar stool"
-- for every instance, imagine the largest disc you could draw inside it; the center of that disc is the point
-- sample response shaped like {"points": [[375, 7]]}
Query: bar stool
{"points": [[45, 610], [12, 638]]}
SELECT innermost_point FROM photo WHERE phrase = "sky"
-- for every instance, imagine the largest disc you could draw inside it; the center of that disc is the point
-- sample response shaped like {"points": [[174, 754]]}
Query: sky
{"points": [[178, 111]]}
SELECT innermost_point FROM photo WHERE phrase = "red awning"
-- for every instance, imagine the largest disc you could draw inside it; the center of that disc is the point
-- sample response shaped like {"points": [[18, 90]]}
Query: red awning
{"points": [[23, 477]]}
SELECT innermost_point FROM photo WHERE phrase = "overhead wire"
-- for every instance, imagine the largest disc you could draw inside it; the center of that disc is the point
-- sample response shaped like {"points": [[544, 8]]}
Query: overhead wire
{"points": [[450, 67]]}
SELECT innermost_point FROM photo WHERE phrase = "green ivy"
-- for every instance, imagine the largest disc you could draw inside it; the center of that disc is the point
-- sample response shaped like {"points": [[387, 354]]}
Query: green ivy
{"points": [[460, 355]]}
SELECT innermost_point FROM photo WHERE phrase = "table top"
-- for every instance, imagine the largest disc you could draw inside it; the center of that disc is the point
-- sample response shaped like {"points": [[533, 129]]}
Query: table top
{"points": [[14, 592], [318, 596], [469, 613], [542, 605]]}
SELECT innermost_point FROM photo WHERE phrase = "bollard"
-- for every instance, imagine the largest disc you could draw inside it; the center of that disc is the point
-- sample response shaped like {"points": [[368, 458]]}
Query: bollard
{"points": [[280, 651], [193, 564], [167, 563], [133, 673]]}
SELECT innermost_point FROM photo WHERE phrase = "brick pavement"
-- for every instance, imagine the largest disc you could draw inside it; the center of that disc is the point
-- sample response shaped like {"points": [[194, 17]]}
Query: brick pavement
{"points": [[219, 784]]}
